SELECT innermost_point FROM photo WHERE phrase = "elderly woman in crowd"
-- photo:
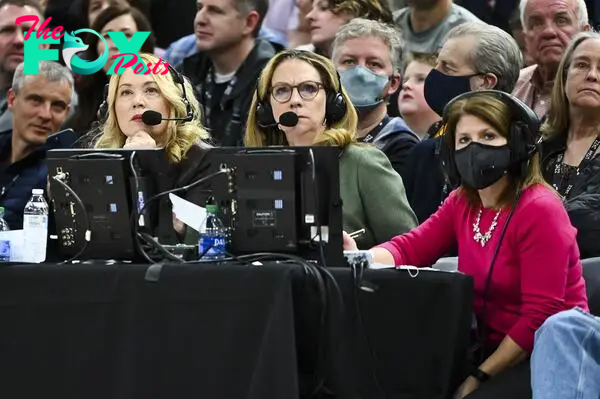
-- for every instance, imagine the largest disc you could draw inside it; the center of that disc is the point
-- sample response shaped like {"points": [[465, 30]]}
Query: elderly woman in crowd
{"points": [[327, 16], [571, 144], [129, 96], [513, 236], [307, 84]]}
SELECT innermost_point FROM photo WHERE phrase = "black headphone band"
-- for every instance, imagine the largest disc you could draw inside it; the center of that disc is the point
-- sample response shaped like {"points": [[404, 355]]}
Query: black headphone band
{"points": [[523, 112]]}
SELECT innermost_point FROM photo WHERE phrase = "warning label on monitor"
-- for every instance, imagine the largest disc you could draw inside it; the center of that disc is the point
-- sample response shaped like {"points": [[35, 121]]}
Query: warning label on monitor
{"points": [[264, 218]]}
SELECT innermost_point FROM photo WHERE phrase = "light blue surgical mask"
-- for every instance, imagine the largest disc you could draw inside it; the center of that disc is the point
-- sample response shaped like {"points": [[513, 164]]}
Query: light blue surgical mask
{"points": [[364, 86]]}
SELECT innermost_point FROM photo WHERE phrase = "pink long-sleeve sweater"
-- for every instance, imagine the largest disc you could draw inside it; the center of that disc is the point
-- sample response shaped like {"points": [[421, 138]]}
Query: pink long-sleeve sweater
{"points": [[538, 269]]}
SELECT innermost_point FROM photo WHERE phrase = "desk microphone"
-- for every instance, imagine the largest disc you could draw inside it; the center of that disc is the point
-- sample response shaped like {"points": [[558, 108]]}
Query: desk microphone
{"points": [[152, 118]]}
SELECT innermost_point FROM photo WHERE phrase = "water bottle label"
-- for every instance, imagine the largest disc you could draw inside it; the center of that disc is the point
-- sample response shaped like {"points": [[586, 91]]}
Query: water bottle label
{"points": [[4, 251], [211, 247], [36, 221]]}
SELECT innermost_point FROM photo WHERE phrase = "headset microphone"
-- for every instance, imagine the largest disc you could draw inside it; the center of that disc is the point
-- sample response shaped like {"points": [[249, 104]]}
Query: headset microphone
{"points": [[288, 119], [152, 118]]}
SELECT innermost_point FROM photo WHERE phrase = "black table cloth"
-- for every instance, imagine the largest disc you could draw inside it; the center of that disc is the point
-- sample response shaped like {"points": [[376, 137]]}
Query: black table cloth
{"points": [[225, 331]]}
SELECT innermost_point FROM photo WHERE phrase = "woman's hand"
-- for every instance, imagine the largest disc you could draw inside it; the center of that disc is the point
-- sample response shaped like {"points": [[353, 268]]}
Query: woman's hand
{"points": [[349, 243], [469, 385], [140, 140], [178, 225]]}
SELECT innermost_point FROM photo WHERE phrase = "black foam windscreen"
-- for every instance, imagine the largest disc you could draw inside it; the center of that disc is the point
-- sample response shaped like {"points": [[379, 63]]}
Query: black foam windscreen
{"points": [[288, 119], [151, 118]]}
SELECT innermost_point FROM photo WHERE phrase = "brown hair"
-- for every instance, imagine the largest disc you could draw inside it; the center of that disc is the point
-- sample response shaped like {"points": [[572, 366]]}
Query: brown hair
{"points": [[377, 10], [499, 115], [424, 58]]}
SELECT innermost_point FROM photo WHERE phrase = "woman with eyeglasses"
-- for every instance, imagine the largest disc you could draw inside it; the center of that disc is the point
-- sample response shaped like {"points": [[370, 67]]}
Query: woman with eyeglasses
{"points": [[308, 85]]}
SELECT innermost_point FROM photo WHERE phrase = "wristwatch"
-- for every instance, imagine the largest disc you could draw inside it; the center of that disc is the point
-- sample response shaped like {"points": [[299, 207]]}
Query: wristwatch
{"points": [[480, 375]]}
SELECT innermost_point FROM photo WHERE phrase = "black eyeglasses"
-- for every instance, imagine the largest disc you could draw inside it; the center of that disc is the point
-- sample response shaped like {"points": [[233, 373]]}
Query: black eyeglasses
{"points": [[282, 92]]}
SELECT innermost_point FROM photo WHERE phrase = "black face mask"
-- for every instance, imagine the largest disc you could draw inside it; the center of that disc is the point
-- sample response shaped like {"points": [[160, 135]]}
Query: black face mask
{"points": [[440, 88], [481, 165]]}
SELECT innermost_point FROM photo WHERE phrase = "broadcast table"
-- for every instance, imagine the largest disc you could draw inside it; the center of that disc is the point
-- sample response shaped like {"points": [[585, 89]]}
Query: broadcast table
{"points": [[228, 331]]}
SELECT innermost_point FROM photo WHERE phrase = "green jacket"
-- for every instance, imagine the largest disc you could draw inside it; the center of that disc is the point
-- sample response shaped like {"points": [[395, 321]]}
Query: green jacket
{"points": [[373, 196]]}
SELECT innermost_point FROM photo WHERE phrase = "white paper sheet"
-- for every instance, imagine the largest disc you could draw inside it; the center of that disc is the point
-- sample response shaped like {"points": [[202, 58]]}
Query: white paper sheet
{"points": [[16, 244], [189, 213]]}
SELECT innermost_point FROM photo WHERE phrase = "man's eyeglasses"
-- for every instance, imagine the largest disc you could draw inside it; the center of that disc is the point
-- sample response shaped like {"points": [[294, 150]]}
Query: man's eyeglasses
{"points": [[282, 92]]}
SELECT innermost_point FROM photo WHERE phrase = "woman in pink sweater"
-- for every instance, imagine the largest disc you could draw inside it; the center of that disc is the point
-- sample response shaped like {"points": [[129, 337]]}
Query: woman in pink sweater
{"points": [[513, 235]]}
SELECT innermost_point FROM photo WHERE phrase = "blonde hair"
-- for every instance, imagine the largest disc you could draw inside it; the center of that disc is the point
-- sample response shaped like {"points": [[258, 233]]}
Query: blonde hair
{"points": [[558, 119], [339, 134], [179, 136], [499, 115]]}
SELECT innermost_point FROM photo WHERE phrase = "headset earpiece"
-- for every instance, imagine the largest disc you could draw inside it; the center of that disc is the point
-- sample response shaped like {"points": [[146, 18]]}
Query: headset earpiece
{"points": [[264, 114], [335, 109]]}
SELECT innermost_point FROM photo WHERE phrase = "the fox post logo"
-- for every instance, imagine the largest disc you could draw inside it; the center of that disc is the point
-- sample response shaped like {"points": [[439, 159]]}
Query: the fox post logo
{"points": [[127, 57]]}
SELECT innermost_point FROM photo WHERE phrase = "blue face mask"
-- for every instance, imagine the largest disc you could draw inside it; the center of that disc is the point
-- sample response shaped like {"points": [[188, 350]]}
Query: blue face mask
{"points": [[364, 87], [440, 88]]}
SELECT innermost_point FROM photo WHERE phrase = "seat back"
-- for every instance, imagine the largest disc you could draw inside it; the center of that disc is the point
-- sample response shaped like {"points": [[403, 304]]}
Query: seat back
{"points": [[591, 274]]}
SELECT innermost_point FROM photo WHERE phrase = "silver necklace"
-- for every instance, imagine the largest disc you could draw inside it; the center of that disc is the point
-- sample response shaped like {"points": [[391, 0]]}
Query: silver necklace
{"points": [[478, 237]]}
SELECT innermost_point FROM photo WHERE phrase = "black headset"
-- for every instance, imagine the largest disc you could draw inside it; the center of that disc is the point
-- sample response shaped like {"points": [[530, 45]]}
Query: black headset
{"points": [[335, 107], [523, 134], [177, 79]]}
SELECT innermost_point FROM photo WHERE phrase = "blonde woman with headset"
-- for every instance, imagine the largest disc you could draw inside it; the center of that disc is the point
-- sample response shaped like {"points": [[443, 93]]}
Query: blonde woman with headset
{"points": [[308, 85], [129, 95]]}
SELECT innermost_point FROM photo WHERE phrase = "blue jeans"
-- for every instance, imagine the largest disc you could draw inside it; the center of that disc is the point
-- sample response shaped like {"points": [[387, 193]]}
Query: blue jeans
{"points": [[565, 362]]}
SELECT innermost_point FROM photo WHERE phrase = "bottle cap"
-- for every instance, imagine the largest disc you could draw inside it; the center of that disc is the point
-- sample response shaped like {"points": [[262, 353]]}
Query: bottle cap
{"points": [[37, 191]]}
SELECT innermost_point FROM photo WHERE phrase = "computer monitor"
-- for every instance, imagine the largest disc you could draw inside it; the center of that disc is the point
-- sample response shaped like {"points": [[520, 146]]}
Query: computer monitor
{"points": [[111, 183], [281, 200]]}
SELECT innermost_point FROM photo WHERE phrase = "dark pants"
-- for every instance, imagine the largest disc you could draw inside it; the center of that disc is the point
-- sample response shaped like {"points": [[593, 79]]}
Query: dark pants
{"points": [[513, 383]]}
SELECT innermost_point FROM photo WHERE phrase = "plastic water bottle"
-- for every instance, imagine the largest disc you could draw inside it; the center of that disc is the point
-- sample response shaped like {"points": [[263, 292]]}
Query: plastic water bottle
{"points": [[4, 244], [213, 237], [35, 227]]}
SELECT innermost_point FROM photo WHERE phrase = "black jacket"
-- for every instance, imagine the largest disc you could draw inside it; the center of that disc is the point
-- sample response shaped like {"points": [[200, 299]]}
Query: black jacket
{"points": [[18, 179], [229, 127], [583, 202], [396, 140]]}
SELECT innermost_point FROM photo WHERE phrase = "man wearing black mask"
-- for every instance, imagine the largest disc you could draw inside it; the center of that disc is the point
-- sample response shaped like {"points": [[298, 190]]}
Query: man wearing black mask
{"points": [[367, 55], [474, 56]]}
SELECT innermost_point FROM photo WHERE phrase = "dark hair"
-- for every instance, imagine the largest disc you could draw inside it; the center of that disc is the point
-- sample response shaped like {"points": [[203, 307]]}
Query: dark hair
{"points": [[114, 12], [377, 10], [92, 86], [260, 6], [23, 3], [82, 7]]}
